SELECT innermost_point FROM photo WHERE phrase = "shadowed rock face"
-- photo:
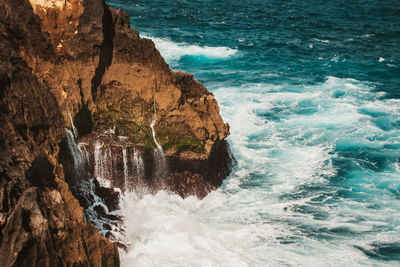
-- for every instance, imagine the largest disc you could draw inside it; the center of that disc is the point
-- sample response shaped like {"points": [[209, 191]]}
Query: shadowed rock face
{"points": [[41, 223], [139, 124]]}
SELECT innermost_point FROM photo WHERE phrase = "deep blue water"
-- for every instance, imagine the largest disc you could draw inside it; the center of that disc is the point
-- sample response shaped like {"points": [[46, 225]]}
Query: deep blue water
{"points": [[311, 90]]}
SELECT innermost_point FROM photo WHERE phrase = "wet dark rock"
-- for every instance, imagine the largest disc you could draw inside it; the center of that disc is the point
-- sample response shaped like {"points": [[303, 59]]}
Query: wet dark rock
{"points": [[109, 195]]}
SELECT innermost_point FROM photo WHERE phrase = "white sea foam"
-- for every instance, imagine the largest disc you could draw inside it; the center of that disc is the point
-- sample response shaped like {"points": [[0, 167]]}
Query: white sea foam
{"points": [[174, 51], [243, 229], [322, 41], [287, 135], [368, 35]]}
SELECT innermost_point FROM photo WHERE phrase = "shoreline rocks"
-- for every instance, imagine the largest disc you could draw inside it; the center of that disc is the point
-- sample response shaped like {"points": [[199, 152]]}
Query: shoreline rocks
{"points": [[77, 64]]}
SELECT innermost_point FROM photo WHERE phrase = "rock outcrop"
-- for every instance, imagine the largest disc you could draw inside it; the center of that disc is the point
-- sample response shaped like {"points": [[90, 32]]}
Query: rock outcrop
{"points": [[41, 223], [115, 84], [89, 110]]}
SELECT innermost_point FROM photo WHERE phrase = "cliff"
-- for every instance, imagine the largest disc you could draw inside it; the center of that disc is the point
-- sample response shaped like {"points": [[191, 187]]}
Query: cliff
{"points": [[111, 80], [41, 223], [91, 110]]}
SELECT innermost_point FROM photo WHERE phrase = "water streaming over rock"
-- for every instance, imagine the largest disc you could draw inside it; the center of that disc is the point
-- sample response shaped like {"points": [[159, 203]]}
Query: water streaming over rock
{"points": [[117, 165], [161, 165], [83, 148], [83, 185], [138, 166], [74, 130], [102, 164], [125, 164], [76, 154]]}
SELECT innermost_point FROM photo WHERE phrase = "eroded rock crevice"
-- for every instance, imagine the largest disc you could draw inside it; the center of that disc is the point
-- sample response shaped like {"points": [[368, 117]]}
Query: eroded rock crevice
{"points": [[106, 50]]}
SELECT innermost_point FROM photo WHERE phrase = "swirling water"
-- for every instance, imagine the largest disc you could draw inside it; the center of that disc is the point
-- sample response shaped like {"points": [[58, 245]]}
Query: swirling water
{"points": [[311, 90]]}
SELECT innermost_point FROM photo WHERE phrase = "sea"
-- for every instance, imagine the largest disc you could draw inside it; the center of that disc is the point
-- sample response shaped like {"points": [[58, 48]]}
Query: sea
{"points": [[311, 90]]}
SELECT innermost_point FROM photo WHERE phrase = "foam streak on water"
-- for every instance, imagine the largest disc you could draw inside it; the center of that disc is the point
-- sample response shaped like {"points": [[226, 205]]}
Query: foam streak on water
{"points": [[174, 51]]}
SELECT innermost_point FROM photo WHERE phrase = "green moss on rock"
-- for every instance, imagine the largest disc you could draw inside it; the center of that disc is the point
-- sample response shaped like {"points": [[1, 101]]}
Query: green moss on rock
{"points": [[169, 141], [109, 116]]}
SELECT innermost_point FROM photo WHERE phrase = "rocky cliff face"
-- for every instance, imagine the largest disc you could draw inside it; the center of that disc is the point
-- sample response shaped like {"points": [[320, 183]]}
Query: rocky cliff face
{"points": [[131, 123], [41, 223], [115, 85], [105, 66]]}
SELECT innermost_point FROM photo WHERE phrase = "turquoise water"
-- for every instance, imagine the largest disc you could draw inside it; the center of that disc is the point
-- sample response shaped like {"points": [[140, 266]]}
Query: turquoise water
{"points": [[311, 90]]}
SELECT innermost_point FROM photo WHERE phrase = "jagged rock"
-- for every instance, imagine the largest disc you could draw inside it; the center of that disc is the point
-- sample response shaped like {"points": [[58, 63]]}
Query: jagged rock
{"points": [[80, 59], [41, 222], [118, 81], [110, 78]]}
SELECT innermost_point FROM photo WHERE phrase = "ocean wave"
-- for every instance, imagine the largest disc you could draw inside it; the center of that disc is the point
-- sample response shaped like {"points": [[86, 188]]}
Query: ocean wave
{"points": [[292, 133], [281, 202], [174, 51]]}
